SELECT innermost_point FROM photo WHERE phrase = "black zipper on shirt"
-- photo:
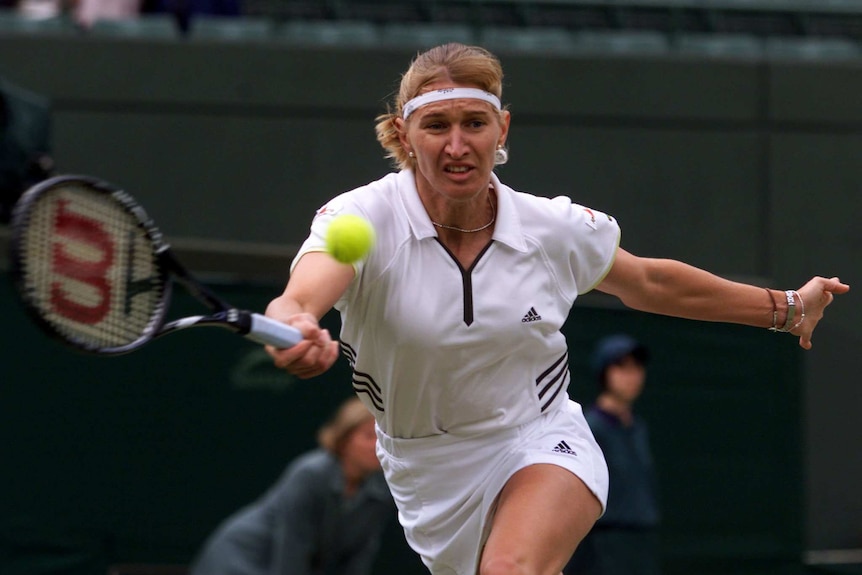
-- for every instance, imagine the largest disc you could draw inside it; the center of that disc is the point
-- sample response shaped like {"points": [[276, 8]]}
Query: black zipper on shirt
{"points": [[466, 280]]}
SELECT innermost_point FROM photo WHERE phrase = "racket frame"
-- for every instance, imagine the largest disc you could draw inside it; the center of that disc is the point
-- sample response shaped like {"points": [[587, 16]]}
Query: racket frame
{"points": [[19, 222], [169, 270]]}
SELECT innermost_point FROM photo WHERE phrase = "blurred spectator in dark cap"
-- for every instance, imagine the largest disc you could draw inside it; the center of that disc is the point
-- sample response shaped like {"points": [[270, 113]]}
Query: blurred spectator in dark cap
{"points": [[625, 540], [25, 143]]}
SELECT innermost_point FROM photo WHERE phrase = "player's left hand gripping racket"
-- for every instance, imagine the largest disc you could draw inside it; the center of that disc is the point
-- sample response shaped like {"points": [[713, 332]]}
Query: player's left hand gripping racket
{"points": [[94, 271]]}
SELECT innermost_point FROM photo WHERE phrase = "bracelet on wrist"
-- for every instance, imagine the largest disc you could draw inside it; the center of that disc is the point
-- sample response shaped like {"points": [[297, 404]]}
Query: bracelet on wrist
{"points": [[788, 326], [801, 310], [774, 311]]}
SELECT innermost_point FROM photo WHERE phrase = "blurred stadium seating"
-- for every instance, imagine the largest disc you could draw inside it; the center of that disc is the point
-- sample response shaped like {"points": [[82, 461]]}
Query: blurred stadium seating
{"points": [[423, 34], [328, 33], [148, 26], [248, 28], [710, 28], [806, 29], [13, 23], [783, 17]]}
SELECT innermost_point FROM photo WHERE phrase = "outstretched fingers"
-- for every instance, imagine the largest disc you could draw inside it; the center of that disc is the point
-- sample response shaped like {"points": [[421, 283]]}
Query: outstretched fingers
{"points": [[815, 296]]}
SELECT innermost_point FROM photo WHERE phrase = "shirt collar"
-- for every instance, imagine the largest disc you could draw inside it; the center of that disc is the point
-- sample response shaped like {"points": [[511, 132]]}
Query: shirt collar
{"points": [[507, 228]]}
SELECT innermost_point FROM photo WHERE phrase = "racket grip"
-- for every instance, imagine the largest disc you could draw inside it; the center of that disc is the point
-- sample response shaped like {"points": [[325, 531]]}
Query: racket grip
{"points": [[272, 332]]}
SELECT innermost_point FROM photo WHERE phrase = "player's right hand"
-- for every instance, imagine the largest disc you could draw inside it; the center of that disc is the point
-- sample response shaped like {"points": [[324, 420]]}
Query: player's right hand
{"points": [[313, 355]]}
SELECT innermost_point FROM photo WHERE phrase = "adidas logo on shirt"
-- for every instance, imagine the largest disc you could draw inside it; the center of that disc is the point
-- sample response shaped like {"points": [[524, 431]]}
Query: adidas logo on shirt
{"points": [[563, 447], [531, 315]]}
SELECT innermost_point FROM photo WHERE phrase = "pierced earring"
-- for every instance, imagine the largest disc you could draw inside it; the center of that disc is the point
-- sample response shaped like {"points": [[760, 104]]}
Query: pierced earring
{"points": [[411, 154], [501, 155]]}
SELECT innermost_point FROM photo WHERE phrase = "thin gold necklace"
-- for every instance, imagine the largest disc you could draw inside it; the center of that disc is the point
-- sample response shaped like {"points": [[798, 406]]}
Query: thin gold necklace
{"points": [[474, 230]]}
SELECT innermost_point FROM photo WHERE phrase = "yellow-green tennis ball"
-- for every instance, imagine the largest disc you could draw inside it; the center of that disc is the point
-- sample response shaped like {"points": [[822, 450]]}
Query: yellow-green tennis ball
{"points": [[349, 238]]}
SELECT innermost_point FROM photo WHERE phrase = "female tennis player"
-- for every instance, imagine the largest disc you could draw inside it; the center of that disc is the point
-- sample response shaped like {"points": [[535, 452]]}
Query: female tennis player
{"points": [[452, 326]]}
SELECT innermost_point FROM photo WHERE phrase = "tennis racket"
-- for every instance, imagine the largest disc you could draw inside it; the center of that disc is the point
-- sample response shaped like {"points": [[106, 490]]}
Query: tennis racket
{"points": [[93, 270]]}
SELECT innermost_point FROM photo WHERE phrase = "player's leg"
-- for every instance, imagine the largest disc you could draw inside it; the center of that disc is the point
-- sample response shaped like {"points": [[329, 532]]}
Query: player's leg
{"points": [[542, 514]]}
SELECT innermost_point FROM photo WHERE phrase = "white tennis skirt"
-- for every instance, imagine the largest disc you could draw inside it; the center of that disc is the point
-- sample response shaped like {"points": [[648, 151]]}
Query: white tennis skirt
{"points": [[446, 486]]}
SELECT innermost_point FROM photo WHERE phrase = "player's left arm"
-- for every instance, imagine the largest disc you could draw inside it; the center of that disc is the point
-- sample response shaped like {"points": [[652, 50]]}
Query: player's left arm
{"points": [[673, 288]]}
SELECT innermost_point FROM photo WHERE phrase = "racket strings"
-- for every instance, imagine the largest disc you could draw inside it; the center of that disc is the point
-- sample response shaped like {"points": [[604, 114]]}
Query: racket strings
{"points": [[89, 268]]}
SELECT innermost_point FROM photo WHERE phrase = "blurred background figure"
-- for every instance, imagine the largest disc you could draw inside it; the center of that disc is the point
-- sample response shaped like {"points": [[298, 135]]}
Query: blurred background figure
{"points": [[83, 12], [25, 143], [41, 8], [185, 10], [211, 7], [86, 12], [625, 540], [325, 515]]}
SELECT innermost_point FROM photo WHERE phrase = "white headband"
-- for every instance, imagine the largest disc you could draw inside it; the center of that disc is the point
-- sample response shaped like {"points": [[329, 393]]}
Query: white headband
{"points": [[449, 94]]}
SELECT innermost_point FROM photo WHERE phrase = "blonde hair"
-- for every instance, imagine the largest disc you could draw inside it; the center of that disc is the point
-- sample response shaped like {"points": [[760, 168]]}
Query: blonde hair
{"points": [[471, 66], [350, 415]]}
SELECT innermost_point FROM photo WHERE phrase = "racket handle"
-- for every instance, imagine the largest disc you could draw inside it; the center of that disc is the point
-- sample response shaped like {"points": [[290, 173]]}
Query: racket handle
{"points": [[272, 332]]}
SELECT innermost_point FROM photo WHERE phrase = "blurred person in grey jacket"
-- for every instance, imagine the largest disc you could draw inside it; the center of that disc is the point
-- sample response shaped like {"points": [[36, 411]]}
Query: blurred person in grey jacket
{"points": [[324, 516]]}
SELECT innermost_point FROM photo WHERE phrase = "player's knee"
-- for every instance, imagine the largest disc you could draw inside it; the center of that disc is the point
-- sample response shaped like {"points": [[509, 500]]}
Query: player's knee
{"points": [[500, 566], [504, 564], [508, 564]]}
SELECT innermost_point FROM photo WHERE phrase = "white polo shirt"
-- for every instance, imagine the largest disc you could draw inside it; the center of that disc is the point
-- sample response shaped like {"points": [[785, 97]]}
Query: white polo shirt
{"points": [[436, 348]]}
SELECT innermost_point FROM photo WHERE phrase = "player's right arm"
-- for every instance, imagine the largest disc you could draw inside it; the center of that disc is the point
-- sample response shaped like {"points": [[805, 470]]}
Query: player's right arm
{"points": [[316, 283]]}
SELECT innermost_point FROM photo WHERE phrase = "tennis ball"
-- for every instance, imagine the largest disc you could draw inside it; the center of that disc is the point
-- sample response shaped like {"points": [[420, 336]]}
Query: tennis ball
{"points": [[349, 238]]}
